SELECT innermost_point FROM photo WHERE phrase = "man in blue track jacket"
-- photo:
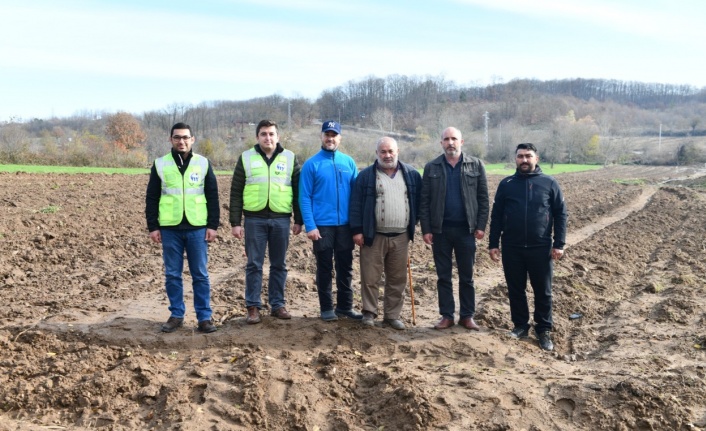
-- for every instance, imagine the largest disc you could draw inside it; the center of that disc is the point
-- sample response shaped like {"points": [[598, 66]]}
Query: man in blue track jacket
{"points": [[325, 186]]}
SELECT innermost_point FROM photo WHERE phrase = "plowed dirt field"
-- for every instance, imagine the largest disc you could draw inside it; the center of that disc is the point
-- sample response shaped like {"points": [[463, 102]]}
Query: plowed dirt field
{"points": [[82, 300]]}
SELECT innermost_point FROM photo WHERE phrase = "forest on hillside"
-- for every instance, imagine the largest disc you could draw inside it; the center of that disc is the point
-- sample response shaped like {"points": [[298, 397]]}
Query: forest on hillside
{"points": [[572, 121]]}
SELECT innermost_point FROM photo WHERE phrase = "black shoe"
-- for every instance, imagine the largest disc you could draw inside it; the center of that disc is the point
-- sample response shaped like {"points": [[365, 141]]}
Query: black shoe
{"points": [[519, 333], [545, 341], [206, 326], [351, 314], [172, 324]]}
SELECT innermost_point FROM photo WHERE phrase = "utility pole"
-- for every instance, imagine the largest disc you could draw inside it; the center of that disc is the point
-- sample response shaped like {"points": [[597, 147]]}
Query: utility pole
{"points": [[289, 115], [487, 142]]}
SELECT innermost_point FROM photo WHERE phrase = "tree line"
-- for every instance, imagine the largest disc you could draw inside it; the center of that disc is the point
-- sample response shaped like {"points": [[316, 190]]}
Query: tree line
{"points": [[575, 120]]}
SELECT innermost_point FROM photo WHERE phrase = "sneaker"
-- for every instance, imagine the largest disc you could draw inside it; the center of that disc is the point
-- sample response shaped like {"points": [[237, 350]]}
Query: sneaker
{"points": [[207, 326], [545, 341], [394, 323], [281, 313], [328, 316], [351, 314], [172, 324], [368, 318], [519, 333]]}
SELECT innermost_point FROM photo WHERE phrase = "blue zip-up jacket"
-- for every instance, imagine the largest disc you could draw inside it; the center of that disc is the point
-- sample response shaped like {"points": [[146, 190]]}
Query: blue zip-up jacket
{"points": [[325, 184], [527, 207]]}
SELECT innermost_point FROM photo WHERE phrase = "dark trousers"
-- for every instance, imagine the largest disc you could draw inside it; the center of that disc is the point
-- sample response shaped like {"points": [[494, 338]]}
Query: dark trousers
{"points": [[336, 244], [518, 263], [458, 241]]}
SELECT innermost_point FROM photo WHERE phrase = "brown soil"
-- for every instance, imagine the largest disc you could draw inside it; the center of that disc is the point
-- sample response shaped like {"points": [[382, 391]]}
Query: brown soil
{"points": [[82, 299]]}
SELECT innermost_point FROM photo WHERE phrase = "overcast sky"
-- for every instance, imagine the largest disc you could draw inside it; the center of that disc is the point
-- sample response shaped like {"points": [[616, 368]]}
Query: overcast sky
{"points": [[60, 58]]}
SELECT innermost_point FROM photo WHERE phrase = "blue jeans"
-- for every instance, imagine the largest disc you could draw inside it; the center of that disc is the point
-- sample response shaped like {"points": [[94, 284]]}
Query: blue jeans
{"points": [[336, 244], [174, 243], [458, 241], [536, 262], [261, 234]]}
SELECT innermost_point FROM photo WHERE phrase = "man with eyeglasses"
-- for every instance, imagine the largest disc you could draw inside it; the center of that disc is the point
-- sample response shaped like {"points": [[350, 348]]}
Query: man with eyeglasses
{"points": [[183, 214], [529, 206], [265, 189]]}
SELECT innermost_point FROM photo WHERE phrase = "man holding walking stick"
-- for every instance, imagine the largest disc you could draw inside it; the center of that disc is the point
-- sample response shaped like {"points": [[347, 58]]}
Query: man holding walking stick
{"points": [[383, 213]]}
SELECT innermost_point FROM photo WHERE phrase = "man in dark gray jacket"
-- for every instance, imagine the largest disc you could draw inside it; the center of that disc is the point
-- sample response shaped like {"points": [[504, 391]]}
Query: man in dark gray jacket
{"points": [[453, 213]]}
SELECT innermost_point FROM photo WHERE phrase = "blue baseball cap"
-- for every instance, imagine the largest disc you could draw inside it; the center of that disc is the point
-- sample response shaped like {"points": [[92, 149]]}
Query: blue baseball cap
{"points": [[331, 126]]}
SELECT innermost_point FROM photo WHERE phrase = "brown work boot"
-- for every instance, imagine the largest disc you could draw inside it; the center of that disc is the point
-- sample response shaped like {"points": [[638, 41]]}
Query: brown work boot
{"points": [[469, 323], [172, 324], [281, 313], [207, 326], [444, 323], [253, 315]]}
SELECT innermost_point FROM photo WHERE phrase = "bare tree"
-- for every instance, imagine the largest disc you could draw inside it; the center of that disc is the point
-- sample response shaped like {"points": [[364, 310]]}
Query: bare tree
{"points": [[15, 142]]}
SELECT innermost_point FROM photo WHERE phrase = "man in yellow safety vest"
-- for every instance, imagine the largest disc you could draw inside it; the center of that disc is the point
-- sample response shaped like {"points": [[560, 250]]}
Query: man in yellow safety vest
{"points": [[265, 188], [183, 215]]}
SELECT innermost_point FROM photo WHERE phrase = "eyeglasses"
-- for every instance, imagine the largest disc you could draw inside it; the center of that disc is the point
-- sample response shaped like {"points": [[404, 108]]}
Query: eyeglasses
{"points": [[179, 138]]}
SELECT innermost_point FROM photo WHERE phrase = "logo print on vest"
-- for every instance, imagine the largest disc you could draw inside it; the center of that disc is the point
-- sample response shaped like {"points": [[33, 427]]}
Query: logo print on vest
{"points": [[194, 177], [281, 166]]}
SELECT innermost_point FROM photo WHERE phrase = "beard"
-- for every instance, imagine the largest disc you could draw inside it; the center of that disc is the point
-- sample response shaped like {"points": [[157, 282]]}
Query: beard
{"points": [[453, 152], [389, 164]]}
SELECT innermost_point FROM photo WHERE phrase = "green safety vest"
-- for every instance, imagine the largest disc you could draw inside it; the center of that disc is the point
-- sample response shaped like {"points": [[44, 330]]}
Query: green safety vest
{"points": [[263, 184], [182, 194]]}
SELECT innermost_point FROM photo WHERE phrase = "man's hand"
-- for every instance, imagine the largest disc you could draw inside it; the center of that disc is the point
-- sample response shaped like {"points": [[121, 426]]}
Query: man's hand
{"points": [[479, 234], [557, 253], [358, 239], [238, 232], [429, 238], [296, 229], [494, 254], [156, 236], [211, 234], [313, 235]]}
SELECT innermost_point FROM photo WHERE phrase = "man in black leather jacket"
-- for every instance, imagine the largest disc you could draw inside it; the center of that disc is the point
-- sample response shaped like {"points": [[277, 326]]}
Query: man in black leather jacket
{"points": [[453, 213]]}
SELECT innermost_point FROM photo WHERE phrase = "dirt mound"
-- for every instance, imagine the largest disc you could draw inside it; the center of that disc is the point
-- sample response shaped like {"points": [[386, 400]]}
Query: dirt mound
{"points": [[82, 298]]}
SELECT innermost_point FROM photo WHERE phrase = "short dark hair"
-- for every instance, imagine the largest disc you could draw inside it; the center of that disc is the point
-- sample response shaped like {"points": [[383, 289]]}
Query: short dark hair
{"points": [[526, 146], [265, 123], [180, 126]]}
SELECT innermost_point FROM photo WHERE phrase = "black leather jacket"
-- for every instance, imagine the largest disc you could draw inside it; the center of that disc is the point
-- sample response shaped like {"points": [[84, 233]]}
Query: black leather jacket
{"points": [[474, 190]]}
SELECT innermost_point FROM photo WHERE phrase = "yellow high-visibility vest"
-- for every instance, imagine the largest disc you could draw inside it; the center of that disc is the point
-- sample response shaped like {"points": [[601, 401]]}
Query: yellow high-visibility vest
{"points": [[182, 194], [263, 184]]}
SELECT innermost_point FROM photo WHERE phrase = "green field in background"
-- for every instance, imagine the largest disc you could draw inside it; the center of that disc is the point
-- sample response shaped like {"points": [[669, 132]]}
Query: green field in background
{"points": [[493, 168], [36, 169], [503, 169]]}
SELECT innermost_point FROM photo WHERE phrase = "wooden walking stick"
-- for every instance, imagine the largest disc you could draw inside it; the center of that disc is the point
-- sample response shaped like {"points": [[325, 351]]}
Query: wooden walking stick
{"points": [[411, 292]]}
